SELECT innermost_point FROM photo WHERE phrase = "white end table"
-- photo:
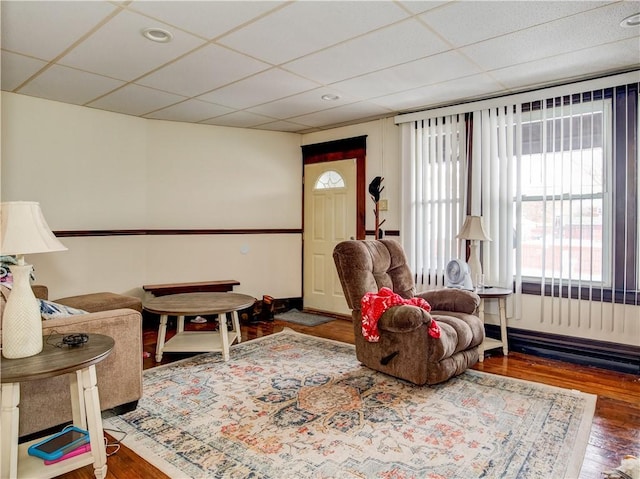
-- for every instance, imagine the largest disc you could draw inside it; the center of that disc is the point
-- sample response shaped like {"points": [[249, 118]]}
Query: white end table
{"points": [[501, 295], [55, 359]]}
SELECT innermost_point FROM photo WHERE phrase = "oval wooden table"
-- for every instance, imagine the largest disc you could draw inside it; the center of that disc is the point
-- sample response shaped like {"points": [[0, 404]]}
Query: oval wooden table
{"points": [[55, 359], [193, 304]]}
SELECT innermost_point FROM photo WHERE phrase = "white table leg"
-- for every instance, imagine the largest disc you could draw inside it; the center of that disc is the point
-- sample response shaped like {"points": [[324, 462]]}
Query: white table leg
{"points": [[162, 333], [224, 337], [503, 325], [481, 316], [78, 409], [94, 421], [180, 326], [236, 326], [9, 430]]}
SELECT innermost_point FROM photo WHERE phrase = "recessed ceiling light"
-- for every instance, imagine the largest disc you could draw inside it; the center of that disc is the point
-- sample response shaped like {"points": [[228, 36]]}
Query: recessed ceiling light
{"points": [[158, 35], [330, 97], [631, 21]]}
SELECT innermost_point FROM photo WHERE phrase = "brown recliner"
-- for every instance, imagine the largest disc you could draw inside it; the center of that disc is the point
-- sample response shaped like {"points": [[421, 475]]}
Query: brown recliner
{"points": [[405, 349]]}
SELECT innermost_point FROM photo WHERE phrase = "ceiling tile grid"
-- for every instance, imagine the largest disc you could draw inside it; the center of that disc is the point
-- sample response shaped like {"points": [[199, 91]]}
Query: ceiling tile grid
{"points": [[267, 64]]}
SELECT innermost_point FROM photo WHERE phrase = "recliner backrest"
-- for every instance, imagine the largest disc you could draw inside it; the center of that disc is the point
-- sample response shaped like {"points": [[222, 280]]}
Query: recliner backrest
{"points": [[367, 265]]}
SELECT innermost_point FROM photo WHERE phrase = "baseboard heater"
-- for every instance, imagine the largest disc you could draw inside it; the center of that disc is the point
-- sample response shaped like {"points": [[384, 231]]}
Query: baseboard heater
{"points": [[588, 352]]}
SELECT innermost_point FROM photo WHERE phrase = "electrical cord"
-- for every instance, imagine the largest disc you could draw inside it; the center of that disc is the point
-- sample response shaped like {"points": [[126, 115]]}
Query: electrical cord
{"points": [[117, 441]]}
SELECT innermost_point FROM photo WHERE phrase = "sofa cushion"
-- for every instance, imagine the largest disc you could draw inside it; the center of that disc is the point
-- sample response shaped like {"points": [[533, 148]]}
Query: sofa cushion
{"points": [[104, 301], [51, 310]]}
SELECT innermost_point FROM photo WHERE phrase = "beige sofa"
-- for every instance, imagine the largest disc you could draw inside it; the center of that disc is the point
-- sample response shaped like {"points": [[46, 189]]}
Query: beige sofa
{"points": [[45, 403]]}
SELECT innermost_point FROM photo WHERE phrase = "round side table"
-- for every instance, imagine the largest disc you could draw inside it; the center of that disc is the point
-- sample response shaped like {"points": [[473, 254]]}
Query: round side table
{"points": [[55, 359], [192, 304], [501, 294]]}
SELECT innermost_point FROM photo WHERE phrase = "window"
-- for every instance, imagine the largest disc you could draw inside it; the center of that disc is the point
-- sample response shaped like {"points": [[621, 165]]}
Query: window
{"points": [[329, 179], [553, 173], [435, 174], [566, 188], [579, 186]]}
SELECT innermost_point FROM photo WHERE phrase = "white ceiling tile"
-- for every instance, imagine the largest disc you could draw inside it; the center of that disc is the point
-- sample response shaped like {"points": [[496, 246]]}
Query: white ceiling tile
{"points": [[203, 70], [399, 43], [191, 111], [462, 23], [240, 119], [371, 53], [205, 18], [69, 85], [415, 6], [554, 38], [136, 100], [579, 64], [426, 71], [261, 88], [44, 29], [454, 91], [283, 126], [304, 27], [303, 103], [342, 114], [120, 51], [16, 69]]}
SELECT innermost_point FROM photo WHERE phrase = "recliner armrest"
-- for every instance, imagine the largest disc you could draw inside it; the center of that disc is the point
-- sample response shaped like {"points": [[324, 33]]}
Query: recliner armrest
{"points": [[451, 299], [403, 319]]}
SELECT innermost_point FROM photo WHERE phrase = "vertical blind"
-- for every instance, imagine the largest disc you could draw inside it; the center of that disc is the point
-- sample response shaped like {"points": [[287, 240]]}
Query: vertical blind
{"points": [[434, 189], [495, 184], [553, 173]]}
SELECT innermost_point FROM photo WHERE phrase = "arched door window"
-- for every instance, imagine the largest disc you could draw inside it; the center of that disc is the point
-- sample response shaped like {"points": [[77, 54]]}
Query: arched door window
{"points": [[329, 179]]}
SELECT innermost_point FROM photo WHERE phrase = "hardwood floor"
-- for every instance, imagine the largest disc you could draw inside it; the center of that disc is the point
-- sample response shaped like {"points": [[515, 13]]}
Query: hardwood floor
{"points": [[615, 430]]}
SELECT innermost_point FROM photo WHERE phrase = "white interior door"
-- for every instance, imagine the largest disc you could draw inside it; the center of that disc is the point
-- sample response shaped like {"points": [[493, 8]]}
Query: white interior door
{"points": [[330, 216]]}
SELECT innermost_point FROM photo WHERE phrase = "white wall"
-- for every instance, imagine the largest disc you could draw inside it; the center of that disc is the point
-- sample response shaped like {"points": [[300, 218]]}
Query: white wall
{"points": [[87, 168], [96, 170]]}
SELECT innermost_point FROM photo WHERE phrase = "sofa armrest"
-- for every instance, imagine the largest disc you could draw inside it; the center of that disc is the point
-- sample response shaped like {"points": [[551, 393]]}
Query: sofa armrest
{"points": [[451, 299], [119, 374], [41, 291], [403, 319]]}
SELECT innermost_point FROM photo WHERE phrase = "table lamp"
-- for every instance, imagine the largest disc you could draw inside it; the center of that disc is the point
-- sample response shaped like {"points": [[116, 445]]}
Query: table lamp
{"points": [[24, 231], [473, 231]]}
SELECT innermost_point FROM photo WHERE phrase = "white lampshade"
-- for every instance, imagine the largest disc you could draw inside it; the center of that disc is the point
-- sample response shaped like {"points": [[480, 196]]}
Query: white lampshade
{"points": [[25, 231], [472, 229]]}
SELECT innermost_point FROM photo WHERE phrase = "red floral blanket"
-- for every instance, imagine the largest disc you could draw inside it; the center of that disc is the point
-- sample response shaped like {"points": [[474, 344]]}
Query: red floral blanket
{"points": [[373, 305]]}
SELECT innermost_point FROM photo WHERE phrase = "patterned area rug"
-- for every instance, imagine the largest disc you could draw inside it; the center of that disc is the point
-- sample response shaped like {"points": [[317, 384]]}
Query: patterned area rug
{"points": [[294, 406]]}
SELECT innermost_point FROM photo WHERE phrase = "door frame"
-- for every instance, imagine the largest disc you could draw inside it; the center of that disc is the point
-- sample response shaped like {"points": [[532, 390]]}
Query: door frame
{"points": [[342, 150], [345, 149]]}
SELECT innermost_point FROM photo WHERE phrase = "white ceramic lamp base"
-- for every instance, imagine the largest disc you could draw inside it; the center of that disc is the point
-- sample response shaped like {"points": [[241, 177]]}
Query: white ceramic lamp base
{"points": [[474, 263], [21, 321]]}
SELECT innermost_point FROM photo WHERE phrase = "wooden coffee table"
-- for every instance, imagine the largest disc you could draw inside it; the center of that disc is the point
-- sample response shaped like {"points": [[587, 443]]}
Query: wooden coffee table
{"points": [[193, 304]]}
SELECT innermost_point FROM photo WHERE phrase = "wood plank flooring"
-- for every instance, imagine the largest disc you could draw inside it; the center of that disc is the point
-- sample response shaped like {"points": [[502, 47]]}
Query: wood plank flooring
{"points": [[614, 433]]}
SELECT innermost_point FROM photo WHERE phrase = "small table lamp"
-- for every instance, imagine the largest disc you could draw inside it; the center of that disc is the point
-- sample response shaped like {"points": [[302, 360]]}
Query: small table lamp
{"points": [[24, 231], [473, 231]]}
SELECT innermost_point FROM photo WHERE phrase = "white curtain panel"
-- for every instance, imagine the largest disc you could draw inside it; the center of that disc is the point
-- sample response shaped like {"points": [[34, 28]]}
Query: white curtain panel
{"points": [[495, 194], [434, 177]]}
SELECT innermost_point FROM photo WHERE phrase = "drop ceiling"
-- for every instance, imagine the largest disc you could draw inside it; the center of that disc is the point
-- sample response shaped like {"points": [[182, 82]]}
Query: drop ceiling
{"points": [[267, 65]]}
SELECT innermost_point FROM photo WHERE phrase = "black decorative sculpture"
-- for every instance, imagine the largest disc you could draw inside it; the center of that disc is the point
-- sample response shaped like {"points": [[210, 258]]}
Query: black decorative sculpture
{"points": [[375, 188]]}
